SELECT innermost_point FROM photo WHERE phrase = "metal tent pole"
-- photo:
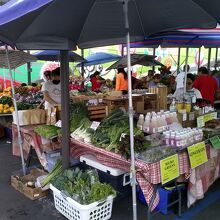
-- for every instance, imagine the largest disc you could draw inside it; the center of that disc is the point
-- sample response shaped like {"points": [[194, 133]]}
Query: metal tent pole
{"points": [[178, 61], [216, 57], [65, 114], [199, 57], [186, 64], [209, 57], [130, 110], [20, 141]]}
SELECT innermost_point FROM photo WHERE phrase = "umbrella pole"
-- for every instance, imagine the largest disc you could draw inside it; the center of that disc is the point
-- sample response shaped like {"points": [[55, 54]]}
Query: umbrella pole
{"points": [[20, 141], [130, 111], [65, 114], [186, 64]]}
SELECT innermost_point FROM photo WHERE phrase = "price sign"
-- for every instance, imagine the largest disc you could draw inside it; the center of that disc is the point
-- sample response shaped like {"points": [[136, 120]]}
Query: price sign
{"points": [[197, 154], [184, 116], [215, 141], [58, 124], [207, 117], [214, 115], [169, 168], [95, 125], [200, 122]]}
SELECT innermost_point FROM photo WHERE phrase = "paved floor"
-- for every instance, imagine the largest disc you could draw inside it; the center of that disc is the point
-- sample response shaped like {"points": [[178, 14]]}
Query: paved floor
{"points": [[13, 205]]}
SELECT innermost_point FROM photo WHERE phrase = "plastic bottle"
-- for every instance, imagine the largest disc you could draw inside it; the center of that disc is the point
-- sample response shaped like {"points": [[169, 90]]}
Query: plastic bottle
{"points": [[140, 121], [168, 118], [172, 139], [159, 124], [173, 106], [167, 138], [174, 117], [153, 125], [164, 122], [146, 125], [178, 140]]}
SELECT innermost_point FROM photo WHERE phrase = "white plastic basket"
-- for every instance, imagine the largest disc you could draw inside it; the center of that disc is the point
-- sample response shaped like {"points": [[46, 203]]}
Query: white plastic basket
{"points": [[72, 210]]}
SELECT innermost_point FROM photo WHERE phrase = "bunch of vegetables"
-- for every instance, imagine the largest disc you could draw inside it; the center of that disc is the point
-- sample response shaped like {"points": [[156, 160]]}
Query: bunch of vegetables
{"points": [[47, 131], [24, 106], [78, 114], [83, 187], [6, 104], [55, 171], [6, 100], [140, 144], [110, 130]]}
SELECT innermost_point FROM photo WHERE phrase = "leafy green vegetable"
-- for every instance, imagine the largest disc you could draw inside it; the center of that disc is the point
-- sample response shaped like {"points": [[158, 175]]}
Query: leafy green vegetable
{"points": [[56, 171], [6, 100], [47, 131], [84, 187]]}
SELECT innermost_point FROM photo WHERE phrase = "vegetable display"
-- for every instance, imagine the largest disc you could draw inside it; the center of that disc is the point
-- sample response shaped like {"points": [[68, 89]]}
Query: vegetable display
{"points": [[140, 144], [78, 116], [56, 171], [83, 187], [47, 131], [155, 154], [110, 130]]}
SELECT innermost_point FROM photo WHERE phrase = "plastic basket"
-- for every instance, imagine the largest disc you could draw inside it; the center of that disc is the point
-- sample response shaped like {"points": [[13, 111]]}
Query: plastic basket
{"points": [[72, 210]]}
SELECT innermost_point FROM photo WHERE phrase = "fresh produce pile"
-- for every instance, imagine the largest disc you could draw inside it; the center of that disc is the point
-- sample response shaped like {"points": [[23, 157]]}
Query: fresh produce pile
{"points": [[214, 123], [110, 130], [155, 154], [24, 106], [6, 104], [79, 116], [83, 187], [47, 131], [210, 132]]}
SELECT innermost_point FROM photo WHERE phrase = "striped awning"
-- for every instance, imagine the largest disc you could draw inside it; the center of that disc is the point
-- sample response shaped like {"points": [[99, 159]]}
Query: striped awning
{"points": [[16, 58]]}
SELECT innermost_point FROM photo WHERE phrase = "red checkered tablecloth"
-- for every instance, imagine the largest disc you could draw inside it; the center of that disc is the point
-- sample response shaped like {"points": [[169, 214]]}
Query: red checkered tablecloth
{"points": [[148, 174], [31, 139]]}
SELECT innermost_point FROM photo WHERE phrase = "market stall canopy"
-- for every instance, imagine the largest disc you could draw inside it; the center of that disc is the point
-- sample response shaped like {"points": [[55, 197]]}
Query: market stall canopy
{"points": [[182, 38], [16, 58], [54, 55], [140, 59], [99, 58], [90, 23]]}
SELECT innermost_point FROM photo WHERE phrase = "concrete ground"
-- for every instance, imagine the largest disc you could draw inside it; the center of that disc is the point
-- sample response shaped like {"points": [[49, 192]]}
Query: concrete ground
{"points": [[14, 205]]}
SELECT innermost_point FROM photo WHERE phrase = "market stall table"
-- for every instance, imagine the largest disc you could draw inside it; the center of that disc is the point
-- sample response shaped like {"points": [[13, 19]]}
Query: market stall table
{"points": [[148, 174], [32, 139]]}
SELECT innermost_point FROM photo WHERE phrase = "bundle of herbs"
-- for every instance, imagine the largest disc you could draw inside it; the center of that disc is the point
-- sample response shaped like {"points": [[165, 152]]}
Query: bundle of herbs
{"points": [[83, 187]]}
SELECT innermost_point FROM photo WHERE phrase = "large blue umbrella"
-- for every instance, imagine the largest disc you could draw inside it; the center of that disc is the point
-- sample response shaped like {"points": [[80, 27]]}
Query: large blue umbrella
{"points": [[58, 24], [54, 55], [182, 38], [99, 58]]}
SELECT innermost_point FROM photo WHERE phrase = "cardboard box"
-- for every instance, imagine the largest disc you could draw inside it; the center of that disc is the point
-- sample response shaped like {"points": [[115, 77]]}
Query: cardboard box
{"points": [[187, 119], [19, 182]]}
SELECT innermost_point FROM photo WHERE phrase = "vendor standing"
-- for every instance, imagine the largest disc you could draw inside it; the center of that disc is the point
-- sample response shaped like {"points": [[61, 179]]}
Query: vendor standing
{"points": [[206, 84], [96, 81], [121, 81], [52, 90]]}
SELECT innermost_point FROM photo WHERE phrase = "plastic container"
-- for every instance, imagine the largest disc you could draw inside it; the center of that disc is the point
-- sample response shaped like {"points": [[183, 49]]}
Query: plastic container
{"points": [[146, 125], [153, 125], [166, 197], [140, 122], [119, 179], [100, 210]]}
